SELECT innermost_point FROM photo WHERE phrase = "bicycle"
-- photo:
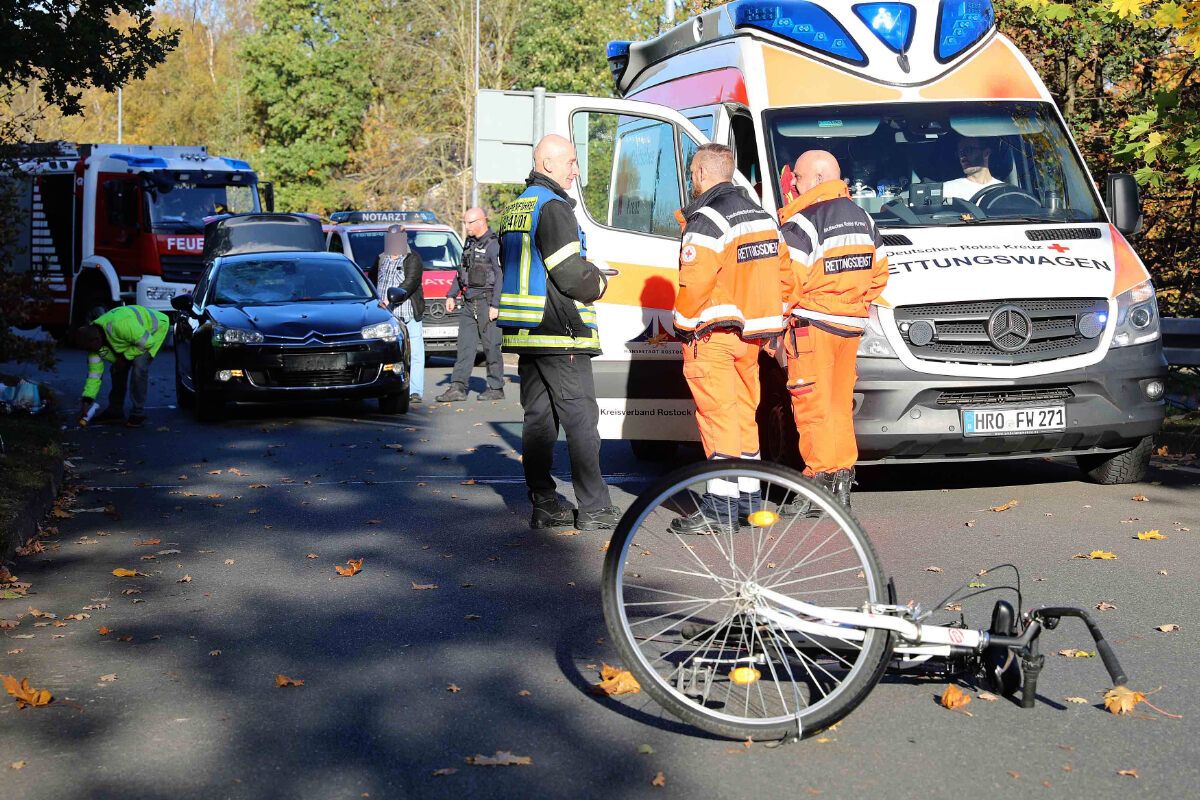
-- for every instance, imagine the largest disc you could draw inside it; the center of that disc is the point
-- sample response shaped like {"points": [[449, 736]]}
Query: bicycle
{"points": [[779, 621]]}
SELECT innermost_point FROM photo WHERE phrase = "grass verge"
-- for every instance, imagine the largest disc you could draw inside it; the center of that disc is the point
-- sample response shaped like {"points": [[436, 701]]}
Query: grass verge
{"points": [[33, 454]]}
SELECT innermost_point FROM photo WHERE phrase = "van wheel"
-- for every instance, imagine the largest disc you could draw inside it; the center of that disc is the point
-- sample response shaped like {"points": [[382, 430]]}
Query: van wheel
{"points": [[1127, 467], [655, 451]]}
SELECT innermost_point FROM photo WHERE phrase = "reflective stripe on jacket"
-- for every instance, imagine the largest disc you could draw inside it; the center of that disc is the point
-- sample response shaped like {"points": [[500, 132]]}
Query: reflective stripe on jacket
{"points": [[732, 267], [836, 257], [129, 331]]}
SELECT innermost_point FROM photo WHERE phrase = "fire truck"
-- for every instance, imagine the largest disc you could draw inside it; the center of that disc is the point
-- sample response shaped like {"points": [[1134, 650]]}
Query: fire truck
{"points": [[106, 224]]}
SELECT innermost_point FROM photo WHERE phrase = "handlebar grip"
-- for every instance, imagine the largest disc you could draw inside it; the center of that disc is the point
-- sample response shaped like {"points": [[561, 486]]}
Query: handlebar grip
{"points": [[1110, 662]]}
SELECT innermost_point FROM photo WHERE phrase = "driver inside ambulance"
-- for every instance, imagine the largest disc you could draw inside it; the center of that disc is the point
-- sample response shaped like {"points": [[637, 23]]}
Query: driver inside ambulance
{"points": [[973, 155]]}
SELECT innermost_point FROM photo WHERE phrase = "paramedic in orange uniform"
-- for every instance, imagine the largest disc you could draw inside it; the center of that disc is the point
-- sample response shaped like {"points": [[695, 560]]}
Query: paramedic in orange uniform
{"points": [[730, 273], [837, 272]]}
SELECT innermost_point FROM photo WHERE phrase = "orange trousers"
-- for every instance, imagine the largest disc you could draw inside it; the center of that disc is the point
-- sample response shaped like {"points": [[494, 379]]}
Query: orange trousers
{"points": [[722, 371], [821, 376]]}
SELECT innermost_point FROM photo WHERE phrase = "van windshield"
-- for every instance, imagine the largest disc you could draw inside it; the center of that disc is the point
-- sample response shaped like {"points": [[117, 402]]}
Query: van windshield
{"points": [[438, 249], [945, 163]]}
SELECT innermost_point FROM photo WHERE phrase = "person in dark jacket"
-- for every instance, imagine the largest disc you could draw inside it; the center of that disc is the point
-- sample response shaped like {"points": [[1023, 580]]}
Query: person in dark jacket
{"points": [[479, 279], [401, 266], [548, 320]]}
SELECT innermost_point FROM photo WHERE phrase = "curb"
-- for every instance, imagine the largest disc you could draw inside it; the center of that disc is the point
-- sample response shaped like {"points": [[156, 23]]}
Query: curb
{"points": [[25, 521]]}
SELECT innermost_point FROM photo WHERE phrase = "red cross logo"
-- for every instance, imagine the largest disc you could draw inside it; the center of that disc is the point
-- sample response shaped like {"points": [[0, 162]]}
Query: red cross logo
{"points": [[1059, 248]]}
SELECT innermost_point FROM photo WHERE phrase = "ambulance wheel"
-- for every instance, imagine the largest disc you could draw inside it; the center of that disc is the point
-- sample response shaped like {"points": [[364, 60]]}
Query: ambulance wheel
{"points": [[654, 451], [1128, 467]]}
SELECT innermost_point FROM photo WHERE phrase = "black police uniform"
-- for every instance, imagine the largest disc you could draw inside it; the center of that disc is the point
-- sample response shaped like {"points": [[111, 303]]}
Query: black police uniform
{"points": [[479, 281]]}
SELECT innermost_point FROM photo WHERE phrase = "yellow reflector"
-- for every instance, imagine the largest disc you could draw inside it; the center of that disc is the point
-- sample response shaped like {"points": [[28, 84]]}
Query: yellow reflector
{"points": [[388, 367], [763, 519], [236, 373], [744, 676]]}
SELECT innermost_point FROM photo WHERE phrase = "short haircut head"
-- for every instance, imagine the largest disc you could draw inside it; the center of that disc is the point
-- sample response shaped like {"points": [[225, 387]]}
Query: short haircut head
{"points": [[88, 337], [716, 159]]}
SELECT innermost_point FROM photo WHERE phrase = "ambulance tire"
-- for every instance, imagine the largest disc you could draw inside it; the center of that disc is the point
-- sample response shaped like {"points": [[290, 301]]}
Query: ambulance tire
{"points": [[1127, 467], [654, 451]]}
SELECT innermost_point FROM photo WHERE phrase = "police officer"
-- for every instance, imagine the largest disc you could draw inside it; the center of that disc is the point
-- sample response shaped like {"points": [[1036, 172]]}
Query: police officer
{"points": [[548, 320], [128, 337], [478, 280]]}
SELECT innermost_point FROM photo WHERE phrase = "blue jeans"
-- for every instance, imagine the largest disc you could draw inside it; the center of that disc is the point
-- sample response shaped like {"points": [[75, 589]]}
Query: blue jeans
{"points": [[416, 350]]}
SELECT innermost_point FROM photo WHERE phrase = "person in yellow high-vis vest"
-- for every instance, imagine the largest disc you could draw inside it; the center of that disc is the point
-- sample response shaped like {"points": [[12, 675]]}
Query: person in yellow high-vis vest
{"points": [[128, 337]]}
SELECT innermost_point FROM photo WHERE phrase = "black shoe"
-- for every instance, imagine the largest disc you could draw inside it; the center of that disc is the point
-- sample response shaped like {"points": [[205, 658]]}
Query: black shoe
{"points": [[549, 512], [712, 515], [135, 421], [415, 397], [841, 482], [801, 507], [455, 393], [107, 417], [491, 394], [598, 520]]}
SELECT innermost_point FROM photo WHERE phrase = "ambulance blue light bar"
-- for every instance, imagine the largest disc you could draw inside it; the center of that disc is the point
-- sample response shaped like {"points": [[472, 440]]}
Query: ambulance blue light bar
{"points": [[139, 161], [355, 217], [618, 59], [236, 163], [891, 22], [962, 23], [803, 22]]}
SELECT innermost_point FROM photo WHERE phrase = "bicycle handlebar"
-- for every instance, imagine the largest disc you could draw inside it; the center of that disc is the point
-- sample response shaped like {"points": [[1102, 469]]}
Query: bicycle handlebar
{"points": [[1052, 615]]}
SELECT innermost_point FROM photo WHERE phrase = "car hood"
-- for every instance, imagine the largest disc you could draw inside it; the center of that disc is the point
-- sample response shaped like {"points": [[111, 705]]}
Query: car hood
{"points": [[297, 320]]}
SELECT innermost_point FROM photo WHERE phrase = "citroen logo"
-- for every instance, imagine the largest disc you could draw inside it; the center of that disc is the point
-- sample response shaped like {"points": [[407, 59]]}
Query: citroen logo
{"points": [[1009, 328]]}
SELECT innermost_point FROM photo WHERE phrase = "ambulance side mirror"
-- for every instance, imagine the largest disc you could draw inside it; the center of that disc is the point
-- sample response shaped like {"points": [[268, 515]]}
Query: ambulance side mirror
{"points": [[1124, 201]]}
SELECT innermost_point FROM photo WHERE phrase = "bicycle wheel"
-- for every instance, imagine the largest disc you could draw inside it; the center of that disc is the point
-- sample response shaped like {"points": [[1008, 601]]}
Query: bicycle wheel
{"points": [[686, 614]]}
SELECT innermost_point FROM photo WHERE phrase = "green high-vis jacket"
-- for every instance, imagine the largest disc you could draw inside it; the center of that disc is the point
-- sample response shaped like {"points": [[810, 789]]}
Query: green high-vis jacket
{"points": [[129, 331]]}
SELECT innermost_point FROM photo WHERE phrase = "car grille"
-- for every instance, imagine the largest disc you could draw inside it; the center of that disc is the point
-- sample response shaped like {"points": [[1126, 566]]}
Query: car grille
{"points": [[896, 240], [961, 330], [1061, 234], [436, 314], [278, 377], [181, 269], [997, 397]]}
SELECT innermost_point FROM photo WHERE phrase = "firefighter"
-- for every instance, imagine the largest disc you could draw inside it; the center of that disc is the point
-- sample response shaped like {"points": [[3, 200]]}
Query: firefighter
{"points": [[549, 322], [731, 272], [128, 337], [838, 271]]}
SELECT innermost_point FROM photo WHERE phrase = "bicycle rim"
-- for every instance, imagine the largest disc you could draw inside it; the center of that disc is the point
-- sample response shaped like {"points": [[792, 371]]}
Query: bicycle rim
{"points": [[685, 613]]}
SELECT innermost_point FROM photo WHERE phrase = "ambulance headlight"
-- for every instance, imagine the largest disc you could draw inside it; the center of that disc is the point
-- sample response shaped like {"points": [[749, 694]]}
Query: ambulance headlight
{"points": [[1137, 316], [387, 331], [874, 343]]}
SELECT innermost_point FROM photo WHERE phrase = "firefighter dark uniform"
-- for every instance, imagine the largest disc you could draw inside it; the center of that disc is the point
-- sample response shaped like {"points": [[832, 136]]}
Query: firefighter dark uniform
{"points": [[479, 282], [549, 322], [731, 274], [132, 338], [838, 271]]}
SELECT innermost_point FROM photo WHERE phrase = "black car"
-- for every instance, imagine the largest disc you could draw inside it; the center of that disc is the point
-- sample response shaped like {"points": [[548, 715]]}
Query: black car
{"points": [[284, 324]]}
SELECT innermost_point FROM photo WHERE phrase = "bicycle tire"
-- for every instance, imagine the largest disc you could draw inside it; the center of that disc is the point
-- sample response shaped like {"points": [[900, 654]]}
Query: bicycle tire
{"points": [[861, 676]]}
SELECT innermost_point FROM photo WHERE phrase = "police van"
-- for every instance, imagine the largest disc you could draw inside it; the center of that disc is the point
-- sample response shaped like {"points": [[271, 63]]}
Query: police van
{"points": [[1017, 320], [359, 234]]}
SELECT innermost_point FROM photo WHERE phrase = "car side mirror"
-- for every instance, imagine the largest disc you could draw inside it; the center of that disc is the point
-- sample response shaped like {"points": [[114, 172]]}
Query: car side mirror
{"points": [[182, 303], [396, 295], [1124, 201]]}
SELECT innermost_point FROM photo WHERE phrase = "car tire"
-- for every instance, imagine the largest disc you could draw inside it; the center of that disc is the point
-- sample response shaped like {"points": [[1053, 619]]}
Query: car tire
{"points": [[1127, 467], [209, 405], [654, 451], [394, 403], [184, 397]]}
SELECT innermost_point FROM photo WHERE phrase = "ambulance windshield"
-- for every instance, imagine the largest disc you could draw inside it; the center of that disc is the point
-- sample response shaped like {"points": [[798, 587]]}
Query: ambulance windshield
{"points": [[944, 163], [177, 205]]}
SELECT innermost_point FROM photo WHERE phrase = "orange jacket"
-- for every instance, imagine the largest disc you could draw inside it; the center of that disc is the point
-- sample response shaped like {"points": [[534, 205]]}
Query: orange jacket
{"points": [[731, 267], [836, 260]]}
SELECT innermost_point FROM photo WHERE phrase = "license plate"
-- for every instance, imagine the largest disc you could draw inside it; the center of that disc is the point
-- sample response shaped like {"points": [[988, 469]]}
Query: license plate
{"points": [[442, 332], [315, 362], [1010, 421]]}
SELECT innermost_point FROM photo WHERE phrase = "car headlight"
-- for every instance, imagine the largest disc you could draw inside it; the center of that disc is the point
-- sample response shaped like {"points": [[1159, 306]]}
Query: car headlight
{"points": [[1137, 316], [236, 336], [388, 331], [873, 343]]}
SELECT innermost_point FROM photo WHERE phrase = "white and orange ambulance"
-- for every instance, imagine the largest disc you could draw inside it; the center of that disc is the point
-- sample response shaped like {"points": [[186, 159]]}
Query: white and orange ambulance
{"points": [[1017, 320]]}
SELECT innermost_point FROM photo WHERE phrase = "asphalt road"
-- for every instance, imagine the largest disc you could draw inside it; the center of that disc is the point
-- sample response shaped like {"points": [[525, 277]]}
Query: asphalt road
{"points": [[258, 510]]}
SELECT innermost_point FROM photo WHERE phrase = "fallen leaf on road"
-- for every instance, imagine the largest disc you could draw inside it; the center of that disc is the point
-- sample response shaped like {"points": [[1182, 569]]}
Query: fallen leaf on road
{"points": [[151, 542], [1104, 605], [1080, 700], [77, 616], [185, 579], [283, 680], [472, 616], [988, 696], [104, 630], [1100, 555], [567, 533], [503, 758], [470, 482], [16, 652], [312, 555], [1072, 652], [645, 750], [167, 552], [1014, 775], [1154, 534], [524, 693], [659, 780], [214, 652], [934, 569], [615, 681], [25, 694], [452, 688], [131, 591], [374, 522], [260, 486], [422, 586], [355, 566], [970, 523], [954, 699], [438, 773], [8, 624], [17, 765], [121, 572], [1006, 506], [954, 607], [42, 614], [1170, 626], [1140, 498], [1128, 773], [109, 678], [229, 561]]}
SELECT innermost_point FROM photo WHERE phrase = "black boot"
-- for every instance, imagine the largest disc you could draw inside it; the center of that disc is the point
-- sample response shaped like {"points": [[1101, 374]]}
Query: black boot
{"points": [[549, 512], [802, 507], [843, 479], [713, 515]]}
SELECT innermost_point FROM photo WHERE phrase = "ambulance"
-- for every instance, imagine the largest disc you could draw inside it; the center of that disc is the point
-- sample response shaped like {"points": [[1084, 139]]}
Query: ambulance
{"points": [[1017, 321]]}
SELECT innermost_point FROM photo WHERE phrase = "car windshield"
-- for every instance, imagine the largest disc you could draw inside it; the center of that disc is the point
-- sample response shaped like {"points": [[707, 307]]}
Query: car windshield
{"points": [[944, 163], [182, 205], [438, 249], [289, 280]]}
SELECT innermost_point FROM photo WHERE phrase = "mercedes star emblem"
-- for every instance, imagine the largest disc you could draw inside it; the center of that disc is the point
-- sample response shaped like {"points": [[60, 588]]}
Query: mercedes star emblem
{"points": [[1009, 328]]}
